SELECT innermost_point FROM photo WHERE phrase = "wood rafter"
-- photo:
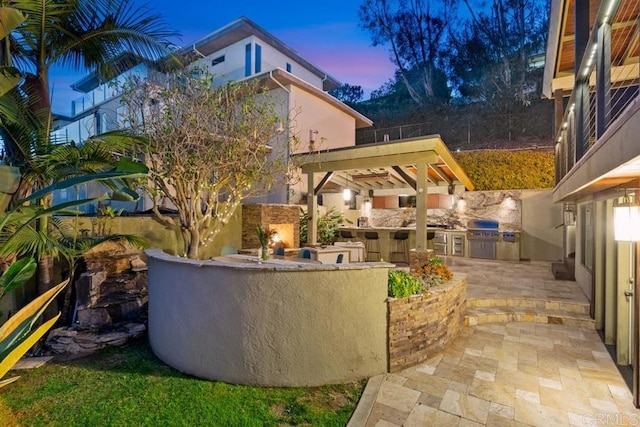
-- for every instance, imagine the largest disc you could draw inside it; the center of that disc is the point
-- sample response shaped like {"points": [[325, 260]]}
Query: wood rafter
{"points": [[441, 173], [323, 182], [628, 57], [405, 176], [563, 28]]}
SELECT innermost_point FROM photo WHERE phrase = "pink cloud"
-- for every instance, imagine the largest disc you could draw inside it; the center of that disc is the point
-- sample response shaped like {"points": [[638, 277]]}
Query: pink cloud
{"points": [[344, 51]]}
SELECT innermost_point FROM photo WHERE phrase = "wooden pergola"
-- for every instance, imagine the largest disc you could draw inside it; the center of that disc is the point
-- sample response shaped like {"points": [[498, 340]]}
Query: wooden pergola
{"points": [[418, 163]]}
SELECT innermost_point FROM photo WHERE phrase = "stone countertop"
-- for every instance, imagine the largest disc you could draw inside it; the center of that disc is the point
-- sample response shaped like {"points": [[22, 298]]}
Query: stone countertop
{"points": [[355, 228], [447, 230]]}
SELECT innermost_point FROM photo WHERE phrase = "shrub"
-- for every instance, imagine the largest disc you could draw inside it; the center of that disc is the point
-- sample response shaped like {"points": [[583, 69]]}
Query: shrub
{"points": [[508, 169], [433, 273], [328, 225], [402, 284]]}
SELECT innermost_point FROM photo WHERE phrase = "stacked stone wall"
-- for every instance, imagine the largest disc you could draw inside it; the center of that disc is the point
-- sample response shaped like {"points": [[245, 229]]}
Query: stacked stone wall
{"points": [[421, 326]]}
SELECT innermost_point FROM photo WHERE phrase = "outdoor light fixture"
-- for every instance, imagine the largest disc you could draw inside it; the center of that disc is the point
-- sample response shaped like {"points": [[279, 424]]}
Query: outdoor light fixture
{"points": [[626, 219], [569, 214]]}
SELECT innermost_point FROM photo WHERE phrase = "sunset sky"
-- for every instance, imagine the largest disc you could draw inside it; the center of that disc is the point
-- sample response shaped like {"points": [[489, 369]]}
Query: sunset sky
{"points": [[325, 33]]}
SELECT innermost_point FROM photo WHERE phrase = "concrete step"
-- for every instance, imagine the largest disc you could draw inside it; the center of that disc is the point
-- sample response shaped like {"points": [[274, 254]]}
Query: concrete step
{"points": [[562, 272], [529, 303], [482, 315]]}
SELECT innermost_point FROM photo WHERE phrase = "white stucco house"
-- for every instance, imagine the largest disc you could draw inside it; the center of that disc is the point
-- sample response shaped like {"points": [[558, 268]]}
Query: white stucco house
{"points": [[238, 51]]}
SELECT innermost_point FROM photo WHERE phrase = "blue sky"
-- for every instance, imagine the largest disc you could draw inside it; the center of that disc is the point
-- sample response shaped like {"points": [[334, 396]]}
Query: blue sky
{"points": [[325, 33]]}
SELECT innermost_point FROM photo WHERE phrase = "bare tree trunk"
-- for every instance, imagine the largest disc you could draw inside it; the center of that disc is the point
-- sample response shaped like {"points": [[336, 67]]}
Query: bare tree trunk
{"points": [[45, 282], [194, 243]]}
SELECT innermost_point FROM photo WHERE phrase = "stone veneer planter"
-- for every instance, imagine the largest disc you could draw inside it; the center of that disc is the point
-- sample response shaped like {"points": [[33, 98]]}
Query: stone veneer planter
{"points": [[421, 326], [261, 324]]}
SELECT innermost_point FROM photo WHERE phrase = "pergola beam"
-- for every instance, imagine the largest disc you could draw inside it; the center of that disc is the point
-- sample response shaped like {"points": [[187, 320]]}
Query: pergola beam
{"points": [[371, 162], [322, 182], [408, 179]]}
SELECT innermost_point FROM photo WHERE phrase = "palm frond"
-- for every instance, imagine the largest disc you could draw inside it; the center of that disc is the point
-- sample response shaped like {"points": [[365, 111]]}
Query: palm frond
{"points": [[98, 34]]}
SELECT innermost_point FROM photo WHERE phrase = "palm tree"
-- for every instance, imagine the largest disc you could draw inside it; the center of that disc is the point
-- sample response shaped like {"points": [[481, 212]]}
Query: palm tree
{"points": [[77, 34], [82, 35]]}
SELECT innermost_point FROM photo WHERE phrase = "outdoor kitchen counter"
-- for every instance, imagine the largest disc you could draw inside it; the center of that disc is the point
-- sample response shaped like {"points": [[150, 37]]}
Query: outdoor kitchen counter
{"points": [[385, 236], [505, 250]]}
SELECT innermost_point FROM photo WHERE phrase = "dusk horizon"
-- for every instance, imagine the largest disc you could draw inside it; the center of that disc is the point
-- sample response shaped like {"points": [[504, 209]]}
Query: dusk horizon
{"points": [[329, 37]]}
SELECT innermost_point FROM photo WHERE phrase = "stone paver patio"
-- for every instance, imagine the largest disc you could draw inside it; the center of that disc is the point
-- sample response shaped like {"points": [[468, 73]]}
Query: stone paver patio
{"points": [[510, 373]]}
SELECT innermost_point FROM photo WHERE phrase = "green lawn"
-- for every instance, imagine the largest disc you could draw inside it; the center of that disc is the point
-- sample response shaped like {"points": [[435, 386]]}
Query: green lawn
{"points": [[129, 386]]}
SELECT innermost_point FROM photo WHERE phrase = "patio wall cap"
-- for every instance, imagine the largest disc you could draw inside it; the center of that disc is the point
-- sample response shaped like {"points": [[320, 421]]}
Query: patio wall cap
{"points": [[239, 265]]}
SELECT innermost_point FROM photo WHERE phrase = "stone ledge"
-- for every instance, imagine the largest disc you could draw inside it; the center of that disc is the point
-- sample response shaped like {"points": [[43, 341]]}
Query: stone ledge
{"points": [[479, 316], [246, 265], [71, 341], [525, 302]]}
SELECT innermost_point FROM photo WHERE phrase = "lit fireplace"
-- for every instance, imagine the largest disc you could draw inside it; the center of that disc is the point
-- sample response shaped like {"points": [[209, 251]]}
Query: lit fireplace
{"points": [[283, 236], [283, 219]]}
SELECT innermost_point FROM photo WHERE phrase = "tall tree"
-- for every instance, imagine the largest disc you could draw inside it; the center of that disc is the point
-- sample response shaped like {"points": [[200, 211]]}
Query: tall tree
{"points": [[348, 93], [208, 148], [415, 31], [490, 58], [81, 35]]}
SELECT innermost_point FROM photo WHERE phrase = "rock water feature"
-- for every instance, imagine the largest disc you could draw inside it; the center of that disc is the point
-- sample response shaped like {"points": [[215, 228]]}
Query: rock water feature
{"points": [[111, 305]]}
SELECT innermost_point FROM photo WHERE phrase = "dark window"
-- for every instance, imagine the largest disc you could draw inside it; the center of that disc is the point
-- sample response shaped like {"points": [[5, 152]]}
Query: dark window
{"points": [[587, 235], [258, 58], [218, 60], [247, 60], [288, 67]]}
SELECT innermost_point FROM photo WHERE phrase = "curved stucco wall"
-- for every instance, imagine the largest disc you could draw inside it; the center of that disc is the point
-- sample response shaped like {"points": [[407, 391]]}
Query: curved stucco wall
{"points": [[294, 325]]}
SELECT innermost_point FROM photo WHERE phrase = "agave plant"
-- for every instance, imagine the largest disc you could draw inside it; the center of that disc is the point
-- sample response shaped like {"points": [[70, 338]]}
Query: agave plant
{"points": [[18, 236]]}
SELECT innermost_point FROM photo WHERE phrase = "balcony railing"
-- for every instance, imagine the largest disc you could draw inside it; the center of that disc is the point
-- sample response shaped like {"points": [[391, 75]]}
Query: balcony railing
{"points": [[107, 91], [606, 84]]}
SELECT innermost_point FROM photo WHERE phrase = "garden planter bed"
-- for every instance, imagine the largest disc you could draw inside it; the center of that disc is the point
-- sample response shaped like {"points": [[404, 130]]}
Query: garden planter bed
{"points": [[421, 326]]}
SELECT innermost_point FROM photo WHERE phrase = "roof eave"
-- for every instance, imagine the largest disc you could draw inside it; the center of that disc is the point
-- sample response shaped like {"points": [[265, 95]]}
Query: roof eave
{"points": [[287, 78], [243, 27], [553, 41]]}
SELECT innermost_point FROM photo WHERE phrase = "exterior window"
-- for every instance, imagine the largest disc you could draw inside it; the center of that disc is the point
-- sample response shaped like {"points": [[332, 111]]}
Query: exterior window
{"points": [[218, 60], [587, 235], [247, 60], [258, 58], [288, 67], [98, 123]]}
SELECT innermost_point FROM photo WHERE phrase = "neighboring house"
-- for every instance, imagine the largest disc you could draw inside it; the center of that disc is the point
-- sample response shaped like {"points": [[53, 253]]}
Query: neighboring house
{"points": [[238, 51], [592, 73]]}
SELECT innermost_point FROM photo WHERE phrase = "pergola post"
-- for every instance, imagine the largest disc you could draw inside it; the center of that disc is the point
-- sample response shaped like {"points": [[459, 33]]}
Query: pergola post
{"points": [[422, 181], [312, 210]]}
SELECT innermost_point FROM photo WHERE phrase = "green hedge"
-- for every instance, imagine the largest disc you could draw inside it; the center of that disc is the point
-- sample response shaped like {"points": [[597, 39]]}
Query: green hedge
{"points": [[508, 169]]}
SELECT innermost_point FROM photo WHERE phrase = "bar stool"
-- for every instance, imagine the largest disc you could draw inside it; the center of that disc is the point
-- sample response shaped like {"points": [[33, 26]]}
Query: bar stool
{"points": [[431, 235], [401, 248], [372, 245], [347, 235]]}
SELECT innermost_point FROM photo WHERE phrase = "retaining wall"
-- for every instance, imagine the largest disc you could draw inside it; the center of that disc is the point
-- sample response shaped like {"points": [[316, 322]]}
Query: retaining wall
{"points": [[260, 324], [421, 326]]}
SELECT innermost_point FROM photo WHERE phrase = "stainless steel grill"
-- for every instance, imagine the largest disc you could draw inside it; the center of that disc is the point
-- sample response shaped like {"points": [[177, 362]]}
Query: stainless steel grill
{"points": [[482, 236]]}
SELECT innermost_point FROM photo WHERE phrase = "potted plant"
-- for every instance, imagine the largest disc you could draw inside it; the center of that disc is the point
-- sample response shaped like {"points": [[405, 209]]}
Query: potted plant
{"points": [[264, 236], [328, 225]]}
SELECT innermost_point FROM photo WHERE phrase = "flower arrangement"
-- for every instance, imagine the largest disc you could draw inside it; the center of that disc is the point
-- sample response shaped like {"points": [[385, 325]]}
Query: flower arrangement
{"points": [[264, 235], [433, 273]]}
